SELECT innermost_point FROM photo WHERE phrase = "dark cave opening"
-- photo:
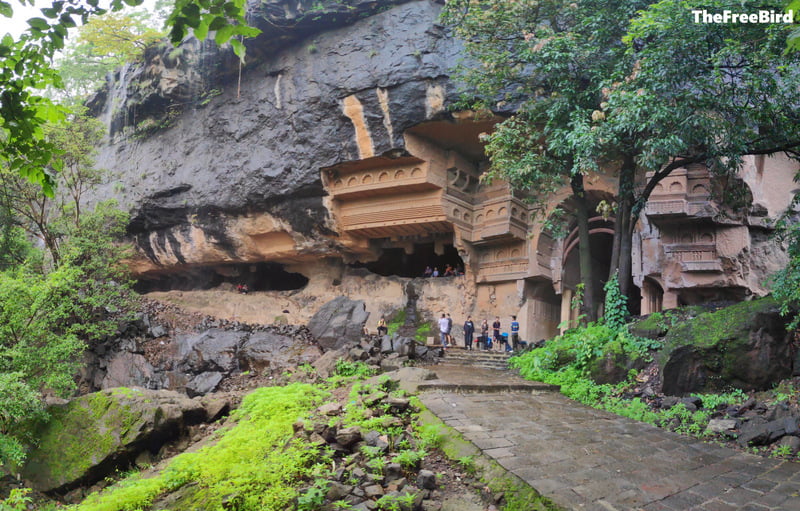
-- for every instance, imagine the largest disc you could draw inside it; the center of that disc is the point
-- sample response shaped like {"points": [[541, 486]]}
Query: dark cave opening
{"points": [[257, 277], [396, 262]]}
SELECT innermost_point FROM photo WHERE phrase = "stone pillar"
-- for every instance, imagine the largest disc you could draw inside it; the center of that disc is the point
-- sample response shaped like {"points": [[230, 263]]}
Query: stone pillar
{"points": [[670, 300], [566, 309]]}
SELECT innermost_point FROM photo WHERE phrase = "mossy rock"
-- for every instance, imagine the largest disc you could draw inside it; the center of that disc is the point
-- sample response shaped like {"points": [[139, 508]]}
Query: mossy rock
{"points": [[614, 367], [91, 436], [744, 346], [653, 326]]}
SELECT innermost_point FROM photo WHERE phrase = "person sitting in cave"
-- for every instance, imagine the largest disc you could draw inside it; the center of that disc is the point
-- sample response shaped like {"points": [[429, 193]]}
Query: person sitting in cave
{"points": [[428, 272], [459, 271], [435, 272], [243, 289], [449, 271]]}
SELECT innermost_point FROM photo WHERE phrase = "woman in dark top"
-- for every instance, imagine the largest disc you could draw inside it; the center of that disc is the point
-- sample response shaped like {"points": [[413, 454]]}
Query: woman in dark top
{"points": [[469, 331], [496, 333]]}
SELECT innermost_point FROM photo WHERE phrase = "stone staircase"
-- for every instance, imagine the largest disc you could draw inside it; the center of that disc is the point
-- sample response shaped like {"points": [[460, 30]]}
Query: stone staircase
{"points": [[476, 358]]}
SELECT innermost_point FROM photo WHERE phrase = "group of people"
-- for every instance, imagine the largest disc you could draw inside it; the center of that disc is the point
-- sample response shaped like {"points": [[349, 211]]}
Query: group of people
{"points": [[449, 271], [497, 341]]}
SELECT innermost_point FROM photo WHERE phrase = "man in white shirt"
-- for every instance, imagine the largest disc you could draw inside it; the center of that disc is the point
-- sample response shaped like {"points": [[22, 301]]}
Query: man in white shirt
{"points": [[444, 330]]}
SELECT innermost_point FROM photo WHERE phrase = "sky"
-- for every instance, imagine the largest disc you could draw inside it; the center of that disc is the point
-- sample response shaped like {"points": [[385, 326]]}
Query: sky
{"points": [[18, 23]]}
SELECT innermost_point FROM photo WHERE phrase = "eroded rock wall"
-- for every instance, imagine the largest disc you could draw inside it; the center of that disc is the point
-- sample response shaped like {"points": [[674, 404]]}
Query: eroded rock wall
{"points": [[231, 171]]}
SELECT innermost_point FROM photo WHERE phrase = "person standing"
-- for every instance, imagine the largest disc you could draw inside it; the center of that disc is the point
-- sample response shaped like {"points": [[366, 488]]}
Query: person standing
{"points": [[443, 331], [485, 333], [469, 331], [496, 333], [450, 340], [514, 333]]}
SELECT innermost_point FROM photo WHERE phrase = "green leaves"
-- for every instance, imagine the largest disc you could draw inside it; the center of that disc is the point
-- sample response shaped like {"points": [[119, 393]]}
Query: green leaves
{"points": [[225, 17], [6, 9]]}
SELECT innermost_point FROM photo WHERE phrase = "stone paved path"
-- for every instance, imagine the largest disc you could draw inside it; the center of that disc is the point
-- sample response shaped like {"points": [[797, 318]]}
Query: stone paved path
{"points": [[588, 459]]}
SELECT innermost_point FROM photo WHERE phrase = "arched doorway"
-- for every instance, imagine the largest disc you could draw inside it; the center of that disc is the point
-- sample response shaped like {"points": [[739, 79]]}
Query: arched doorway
{"points": [[601, 237]]}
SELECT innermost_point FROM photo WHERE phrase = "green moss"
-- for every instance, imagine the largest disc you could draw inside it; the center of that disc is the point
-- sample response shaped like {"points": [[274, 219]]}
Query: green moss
{"points": [[256, 461], [709, 329], [396, 322], [424, 331], [652, 326]]}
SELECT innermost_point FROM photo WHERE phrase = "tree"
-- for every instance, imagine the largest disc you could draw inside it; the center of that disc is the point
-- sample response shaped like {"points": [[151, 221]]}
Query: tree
{"points": [[52, 218], [25, 65], [674, 93], [550, 58], [101, 45], [786, 282], [693, 93]]}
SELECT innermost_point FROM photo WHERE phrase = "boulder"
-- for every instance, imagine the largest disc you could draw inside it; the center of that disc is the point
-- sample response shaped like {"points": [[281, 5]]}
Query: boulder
{"points": [[387, 346], [268, 350], [92, 435], [326, 364], [614, 367], [211, 350], [759, 431], [339, 322], [126, 369], [745, 346], [405, 347], [204, 383], [724, 426]]}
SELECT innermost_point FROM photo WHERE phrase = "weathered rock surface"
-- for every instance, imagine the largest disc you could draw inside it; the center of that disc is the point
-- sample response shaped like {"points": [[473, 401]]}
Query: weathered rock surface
{"points": [[198, 362], [745, 346], [393, 61], [340, 321], [91, 435]]}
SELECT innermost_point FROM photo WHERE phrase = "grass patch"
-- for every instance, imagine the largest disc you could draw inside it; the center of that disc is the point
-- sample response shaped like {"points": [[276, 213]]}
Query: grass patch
{"points": [[254, 465]]}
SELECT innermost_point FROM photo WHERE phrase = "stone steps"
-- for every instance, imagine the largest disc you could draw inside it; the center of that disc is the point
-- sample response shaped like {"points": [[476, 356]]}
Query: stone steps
{"points": [[476, 358]]}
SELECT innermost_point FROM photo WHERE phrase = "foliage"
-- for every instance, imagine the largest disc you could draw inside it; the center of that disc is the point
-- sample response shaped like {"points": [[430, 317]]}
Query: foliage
{"points": [[396, 322], [431, 436], [786, 282], [410, 458], [422, 333], [313, 497], [101, 45], [45, 321], [257, 459], [467, 464], [616, 310], [18, 500], [395, 502], [348, 369], [635, 86], [53, 218]]}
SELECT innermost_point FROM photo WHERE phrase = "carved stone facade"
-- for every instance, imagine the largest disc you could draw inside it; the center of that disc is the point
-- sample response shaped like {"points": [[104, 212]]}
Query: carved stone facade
{"points": [[687, 248]]}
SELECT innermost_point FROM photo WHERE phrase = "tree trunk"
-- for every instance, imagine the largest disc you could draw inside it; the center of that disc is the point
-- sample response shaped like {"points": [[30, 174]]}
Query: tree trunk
{"points": [[584, 248], [623, 227]]}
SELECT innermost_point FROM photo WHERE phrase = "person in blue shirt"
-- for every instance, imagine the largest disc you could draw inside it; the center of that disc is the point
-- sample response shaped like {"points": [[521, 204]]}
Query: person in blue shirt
{"points": [[514, 333]]}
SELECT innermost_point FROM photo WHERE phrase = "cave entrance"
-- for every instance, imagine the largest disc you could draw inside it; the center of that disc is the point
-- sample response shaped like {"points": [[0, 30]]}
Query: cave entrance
{"points": [[257, 277], [398, 262]]}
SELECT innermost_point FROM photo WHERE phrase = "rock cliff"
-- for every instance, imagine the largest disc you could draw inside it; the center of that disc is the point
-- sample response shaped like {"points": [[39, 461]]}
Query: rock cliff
{"points": [[217, 168]]}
